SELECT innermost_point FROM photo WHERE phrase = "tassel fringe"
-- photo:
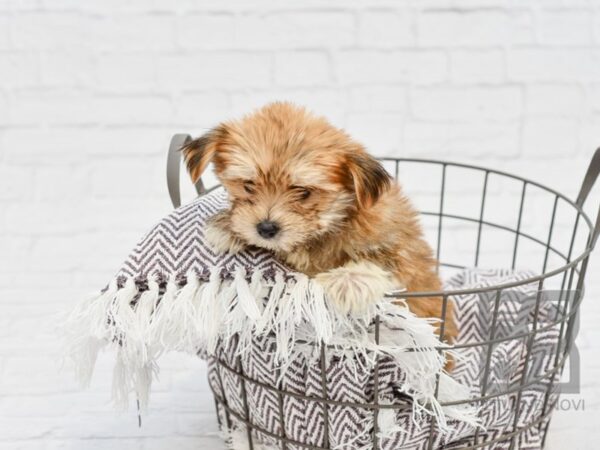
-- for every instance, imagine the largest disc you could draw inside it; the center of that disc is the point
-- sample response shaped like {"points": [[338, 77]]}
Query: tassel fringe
{"points": [[193, 317]]}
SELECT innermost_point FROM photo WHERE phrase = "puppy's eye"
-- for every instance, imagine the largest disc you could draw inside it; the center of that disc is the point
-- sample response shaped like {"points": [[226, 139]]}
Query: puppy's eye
{"points": [[249, 187], [303, 193]]}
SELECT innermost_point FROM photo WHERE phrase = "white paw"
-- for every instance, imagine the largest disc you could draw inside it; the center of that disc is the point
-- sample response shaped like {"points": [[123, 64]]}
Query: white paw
{"points": [[356, 286], [221, 239]]}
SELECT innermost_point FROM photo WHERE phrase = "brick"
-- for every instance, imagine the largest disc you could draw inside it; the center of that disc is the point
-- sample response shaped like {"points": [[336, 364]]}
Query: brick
{"points": [[593, 97], [138, 141], [20, 6], [128, 214], [5, 43], [53, 146], [73, 68], [104, 250], [120, 177], [553, 99], [18, 69], [133, 110], [4, 109], [456, 140], [379, 98], [31, 374], [551, 172], [362, 67], [50, 30], [202, 70], [15, 183], [202, 109], [474, 28], [15, 429], [382, 29], [589, 138], [51, 106], [35, 219], [302, 69], [543, 65], [380, 133], [61, 5], [562, 27], [17, 248], [53, 404], [474, 104], [108, 7], [550, 137], [135, 32], [11, 280], [61, 253], [128, 72], [477, 66], [295, 30], [207, 31], [61, 183]]}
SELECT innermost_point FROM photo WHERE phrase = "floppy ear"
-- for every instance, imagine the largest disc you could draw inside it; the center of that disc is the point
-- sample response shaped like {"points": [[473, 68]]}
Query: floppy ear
{"points": [[199, 152], [369, 178]]}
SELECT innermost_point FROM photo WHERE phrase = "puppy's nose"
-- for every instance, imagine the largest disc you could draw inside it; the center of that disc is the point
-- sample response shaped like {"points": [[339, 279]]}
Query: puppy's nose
{"points": [[267, 229]]}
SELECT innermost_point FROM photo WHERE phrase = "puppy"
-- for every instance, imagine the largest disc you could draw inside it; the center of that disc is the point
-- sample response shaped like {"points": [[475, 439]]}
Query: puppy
{"points": [[306, 191]]}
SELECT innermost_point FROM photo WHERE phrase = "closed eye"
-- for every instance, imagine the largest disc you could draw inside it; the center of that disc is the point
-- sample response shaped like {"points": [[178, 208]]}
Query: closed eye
{"points": [[302, 192], [249, 186]]}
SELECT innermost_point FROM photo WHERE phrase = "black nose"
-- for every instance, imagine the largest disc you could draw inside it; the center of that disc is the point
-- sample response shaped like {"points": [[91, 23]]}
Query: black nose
{"points": [[267, 229]]}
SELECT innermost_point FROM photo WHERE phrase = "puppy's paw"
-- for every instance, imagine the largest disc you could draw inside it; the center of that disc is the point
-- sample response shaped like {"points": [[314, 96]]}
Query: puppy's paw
{"points": [[220, 238], [352, 288]]}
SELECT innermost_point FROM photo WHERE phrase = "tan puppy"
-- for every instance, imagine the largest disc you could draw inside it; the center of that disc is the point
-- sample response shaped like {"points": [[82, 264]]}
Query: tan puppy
{"points": [[306, 191]]}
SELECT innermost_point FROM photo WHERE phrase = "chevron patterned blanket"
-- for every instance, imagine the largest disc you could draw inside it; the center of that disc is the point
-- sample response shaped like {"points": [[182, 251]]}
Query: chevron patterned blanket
{"points": [[248, 312], [352, 427]]}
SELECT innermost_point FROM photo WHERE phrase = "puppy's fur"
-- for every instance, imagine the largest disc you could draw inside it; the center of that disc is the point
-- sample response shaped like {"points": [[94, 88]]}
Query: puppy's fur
{"points": [[339, 216]]}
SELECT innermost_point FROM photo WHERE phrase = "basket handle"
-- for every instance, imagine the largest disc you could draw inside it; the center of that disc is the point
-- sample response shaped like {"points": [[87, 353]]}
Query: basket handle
{"points": [[173, 167], [588, 183]]}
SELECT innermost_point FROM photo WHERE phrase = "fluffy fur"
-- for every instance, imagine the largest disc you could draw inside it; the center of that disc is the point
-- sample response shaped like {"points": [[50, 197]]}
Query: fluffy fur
{"points": [[340, 217]]}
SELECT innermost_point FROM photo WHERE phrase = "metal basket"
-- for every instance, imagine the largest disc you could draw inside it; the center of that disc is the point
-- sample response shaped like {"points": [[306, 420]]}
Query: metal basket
{"points": [[560, 246]]}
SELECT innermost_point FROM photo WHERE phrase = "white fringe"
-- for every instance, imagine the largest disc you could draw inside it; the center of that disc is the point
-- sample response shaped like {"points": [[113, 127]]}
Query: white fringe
{"points": [[210, 313], [198, 314]]}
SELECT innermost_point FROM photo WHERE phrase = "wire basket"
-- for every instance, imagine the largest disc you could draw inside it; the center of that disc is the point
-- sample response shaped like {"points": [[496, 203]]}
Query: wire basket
{"points": [[475, 217]]}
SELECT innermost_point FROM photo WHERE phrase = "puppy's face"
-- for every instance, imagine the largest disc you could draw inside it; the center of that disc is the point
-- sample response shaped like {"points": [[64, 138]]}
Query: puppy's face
{"points": [[291, 177]]}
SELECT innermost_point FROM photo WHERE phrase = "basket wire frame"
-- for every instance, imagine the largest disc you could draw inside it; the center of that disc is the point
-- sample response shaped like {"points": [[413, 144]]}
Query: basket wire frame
{"points": [[570, 274]]}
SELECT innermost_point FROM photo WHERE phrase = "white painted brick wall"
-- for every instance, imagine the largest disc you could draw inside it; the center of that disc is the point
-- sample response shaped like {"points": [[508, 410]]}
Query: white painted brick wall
{"points": [[90, 93]]}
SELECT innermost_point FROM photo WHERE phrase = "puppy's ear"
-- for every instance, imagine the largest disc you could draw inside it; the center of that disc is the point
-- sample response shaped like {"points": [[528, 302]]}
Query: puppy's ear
{"points": [[199, 152], [369, 178]]}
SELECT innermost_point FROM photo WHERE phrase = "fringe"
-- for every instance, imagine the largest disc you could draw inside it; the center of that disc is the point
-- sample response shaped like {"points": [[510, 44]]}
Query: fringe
{"points": [[195, 315]]}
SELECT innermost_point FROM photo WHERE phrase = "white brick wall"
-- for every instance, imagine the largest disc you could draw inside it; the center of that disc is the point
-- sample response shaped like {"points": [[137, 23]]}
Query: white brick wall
{"points": [[90, 93]]}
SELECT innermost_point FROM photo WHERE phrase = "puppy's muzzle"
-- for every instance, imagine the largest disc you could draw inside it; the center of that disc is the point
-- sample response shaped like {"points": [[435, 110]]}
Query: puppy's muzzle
{"points": [[267, 229]]}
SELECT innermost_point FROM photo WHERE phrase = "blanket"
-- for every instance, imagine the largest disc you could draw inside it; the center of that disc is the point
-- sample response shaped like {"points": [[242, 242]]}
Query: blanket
{"points": [[254, 314], [351, 426]]}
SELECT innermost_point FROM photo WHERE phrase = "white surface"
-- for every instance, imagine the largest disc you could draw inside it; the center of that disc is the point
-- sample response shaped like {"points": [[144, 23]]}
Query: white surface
{"points": [[90, 93]]}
